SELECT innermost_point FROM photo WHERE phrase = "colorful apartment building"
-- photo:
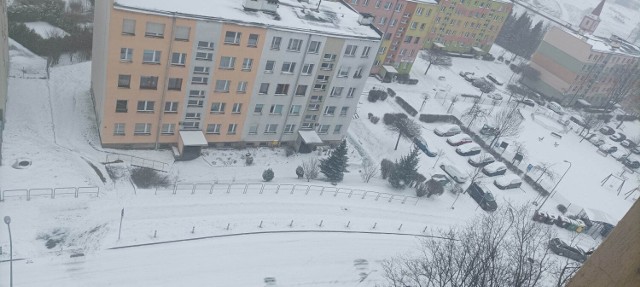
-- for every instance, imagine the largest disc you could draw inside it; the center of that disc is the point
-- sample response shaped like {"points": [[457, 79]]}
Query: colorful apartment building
{"points": [[227, 73], [4, 67], [459, 26], [579, 67]]}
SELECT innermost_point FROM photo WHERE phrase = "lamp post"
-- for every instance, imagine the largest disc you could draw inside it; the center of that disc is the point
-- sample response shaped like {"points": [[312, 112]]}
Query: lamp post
{"points": [[553, 192], [7, 220]]}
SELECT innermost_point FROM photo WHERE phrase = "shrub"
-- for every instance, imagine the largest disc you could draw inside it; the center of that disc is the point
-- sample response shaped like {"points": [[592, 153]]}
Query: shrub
{"points": [[369, 115], [248, 160], [299, 171], [289, 151], [386, 166], [144, 177], [408, 108], [375, 95], [374, 120], [421, 189], [391, 92], [389, 119], [433, 187], [419, 178], [267, 175], [562, 208]]}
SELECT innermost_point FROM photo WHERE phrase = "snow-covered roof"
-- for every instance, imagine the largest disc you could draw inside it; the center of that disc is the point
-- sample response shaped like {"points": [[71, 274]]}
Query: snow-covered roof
{"points": [[332, 18], [45, 30], [193, 138], [598, 215], [390, 69], [310, 137]]}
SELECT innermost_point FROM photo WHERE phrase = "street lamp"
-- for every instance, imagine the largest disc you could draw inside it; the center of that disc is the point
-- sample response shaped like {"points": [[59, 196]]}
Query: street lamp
{"points": [[553, 192], [7, 220]]}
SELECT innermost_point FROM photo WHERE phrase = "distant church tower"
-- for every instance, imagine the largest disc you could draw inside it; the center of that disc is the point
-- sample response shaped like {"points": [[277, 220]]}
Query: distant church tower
{"points": [[590, 21]]}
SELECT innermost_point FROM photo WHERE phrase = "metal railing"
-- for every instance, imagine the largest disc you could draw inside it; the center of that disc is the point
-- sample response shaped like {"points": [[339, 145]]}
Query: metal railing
{"points": [[48, 192], [137, 161]]}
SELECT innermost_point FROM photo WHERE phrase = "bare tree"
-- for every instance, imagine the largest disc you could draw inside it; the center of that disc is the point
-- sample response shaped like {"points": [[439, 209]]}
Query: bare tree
{"points": [[311, 168], [544, 168], [474, 112], [453, 102], [519, 148], [507, 123], [476, 173], [405, 127], [503, 249], [369, 170], [591, 122], [434, 58]]}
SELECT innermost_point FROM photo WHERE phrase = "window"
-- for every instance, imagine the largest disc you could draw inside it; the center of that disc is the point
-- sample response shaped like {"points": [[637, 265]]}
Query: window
{"points": [[222, 86], [307, 69], [320, 87], [199, 80], [202, 56], [344, 110], [231, 130], [393, 22], [145, 106], [227, 63], [171, 107], [315, 99], [365, 51], [178, 59], [351, 50], [247, 63], [326, 66], [168, 129], [242, 87], [205, 45], [258, 109], [182, 33], [313, 107], [344, 72], [232, 38], [358, 73], [301, 90], [121, 106], [264, 89], [237, 108], [192, 116], [294, 45], [398, 7], [118, 129], [276, 109], [142, 129], [148, 82], [314, 47], [306, 126], [218, 108], [419, 11], [253, 40], [282, 89], [190, 125], [270, 128], [195, 103], [414, 25], [253, 129], [378, 2], [213, 129], [151, 57], [351, 92], [382, 21], [288, 67], [175, 84], [154, 30], [124, 81], [311, 118], [295, 110], [275, 43], [408, 39], [126, 54], [387, 5], [289, 129], [329, 57], [329, 110], [322, 78], [128, 27], [323, 129], [336, 91], [337, 129], [201, 70]]}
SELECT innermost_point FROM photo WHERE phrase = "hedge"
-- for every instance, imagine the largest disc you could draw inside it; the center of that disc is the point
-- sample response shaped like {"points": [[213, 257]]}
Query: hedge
{"points": [[408, 108]]}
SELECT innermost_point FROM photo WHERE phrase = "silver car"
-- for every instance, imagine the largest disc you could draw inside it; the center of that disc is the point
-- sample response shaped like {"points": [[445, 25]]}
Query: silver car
{"points": [[454, 173]]}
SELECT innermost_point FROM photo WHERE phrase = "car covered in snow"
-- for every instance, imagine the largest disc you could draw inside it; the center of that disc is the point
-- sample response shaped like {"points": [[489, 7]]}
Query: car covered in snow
{"points": [[597, 141], [495, 96], [459, 139], [608, 148], [441, 179], [422, 145], [481, 160], [495, 79], [620, 154], [494, 168], [508, 181], [454, 173], [468, 76], [528, 102], [635, 150], [544, 217], [607, 130], [563, 249], [627, 143], [469, 149], [447, 130], [631, 163], [617, 137], [482, 195], [557, 108]]}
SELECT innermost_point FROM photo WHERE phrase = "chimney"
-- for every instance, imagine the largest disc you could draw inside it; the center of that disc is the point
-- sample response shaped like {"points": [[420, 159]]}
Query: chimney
{"points": [[365, 19]]}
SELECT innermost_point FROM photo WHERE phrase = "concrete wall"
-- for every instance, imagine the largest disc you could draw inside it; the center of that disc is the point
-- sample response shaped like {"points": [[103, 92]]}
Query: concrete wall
{"points": [[4, 68], [101, 19]]}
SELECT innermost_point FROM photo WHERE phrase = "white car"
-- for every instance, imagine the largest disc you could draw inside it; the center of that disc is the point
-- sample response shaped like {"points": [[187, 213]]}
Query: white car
{"points": [[454, 173], [620, 154], [447, 130], [495, 168], [508, 181], [469, 149], [557, 108], [481, 160], [459, 139]]}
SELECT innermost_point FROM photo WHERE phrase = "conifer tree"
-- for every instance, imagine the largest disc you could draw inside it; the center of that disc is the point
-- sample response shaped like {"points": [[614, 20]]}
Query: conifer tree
{"points": [[335, 165], [405, 170]]}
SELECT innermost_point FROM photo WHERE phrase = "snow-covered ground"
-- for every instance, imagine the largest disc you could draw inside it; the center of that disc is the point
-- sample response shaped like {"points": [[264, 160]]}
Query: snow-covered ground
{"points": [[46, 30], [50, 122]]}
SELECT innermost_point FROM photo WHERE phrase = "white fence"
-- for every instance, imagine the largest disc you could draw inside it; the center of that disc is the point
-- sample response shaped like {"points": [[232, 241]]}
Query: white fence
{"points": [[47, 192], [137, 161]]}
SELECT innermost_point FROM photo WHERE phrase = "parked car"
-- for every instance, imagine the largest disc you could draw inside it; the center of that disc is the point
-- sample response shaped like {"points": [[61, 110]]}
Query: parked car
{"points": [[528, 102], [459, 139], [422, 145], [488, 130], [481, 194], [469, 149], [631, 163], [508, 181], [544, 217], [557, 108], [608, 148], [441, 179], [468, 76], [607, 130], [495, 168], [447, 130], [635, 150], [538, 99], [627, 143], [495, 79], [617, 137], [563, 249], [597, 141], [494, 96], [620, 154], [481, 160], [484, 85], [454, 173]]}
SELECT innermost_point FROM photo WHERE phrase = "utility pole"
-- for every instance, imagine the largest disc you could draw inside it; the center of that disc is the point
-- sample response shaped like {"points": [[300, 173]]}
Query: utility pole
{"points": [[120, 228]]}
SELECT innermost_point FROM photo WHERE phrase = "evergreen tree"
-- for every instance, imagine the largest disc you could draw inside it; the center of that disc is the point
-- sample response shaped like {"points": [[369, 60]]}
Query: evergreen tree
{"points": [[535, 36], [521, 31], [405, 170], [335, 165]]}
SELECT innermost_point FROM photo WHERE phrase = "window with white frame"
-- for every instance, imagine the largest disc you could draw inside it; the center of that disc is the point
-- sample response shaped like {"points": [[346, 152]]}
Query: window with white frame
{"points": [[142, 129], [237, 108], [258, 109], [268, 68], [231, 130], [199, 80], [178, 59], [322, 78], [128, 27], [344, 111], [197, 94], [378, 3], [124, 81], [398, 7], [171, 107], [126, 54], [326, 66], [232, 38], [201, 70], [222, 86], [247, 63], [264, 89], [175, 84], [301, 90], [344, 72], [227, 63], [314, 47], [182, 33], [270, 128], [383, 20], [217, 108], [190, 125], [282, 89], [336, 91], [253, 40], [337, 129], [192, 116], [295, 110], [358, 73], [351, 92], [350, 50], [195, 103], [242, 87], [253, 129], [393, 22], [206, 45], [323, 129], [414, 25], [276, 109], [288, 67], [365, 52], [315, 99], [289, 128], [154, 30], [275, 43], [145, 106], [121, 106], [294, 45], [202, 56], [307, 69], [310, 118], [119, 129], [213, 129], [151, 57], [306, 126], [320, 87], [329, 57], [329, 110], [148, 83], [168, 129]]}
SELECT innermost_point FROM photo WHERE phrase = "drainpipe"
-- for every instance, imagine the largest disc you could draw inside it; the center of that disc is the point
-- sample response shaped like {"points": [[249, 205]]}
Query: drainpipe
{"points": [[166, 80]]}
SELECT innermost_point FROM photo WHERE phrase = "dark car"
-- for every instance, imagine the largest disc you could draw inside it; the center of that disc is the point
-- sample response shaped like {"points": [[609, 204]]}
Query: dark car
{"points": [[618, 137], [635, 150], [631, 163], [627, 143], [482, 196], [607, 130], [546, 218], [528, 102], [563, 249], [422, 145]]}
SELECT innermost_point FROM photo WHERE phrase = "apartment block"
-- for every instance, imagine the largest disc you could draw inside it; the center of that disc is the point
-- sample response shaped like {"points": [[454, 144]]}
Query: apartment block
{"points": [[4, 68]]}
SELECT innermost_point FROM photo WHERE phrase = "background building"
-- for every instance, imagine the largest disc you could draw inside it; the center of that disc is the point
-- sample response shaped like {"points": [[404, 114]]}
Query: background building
{"points": [[4, 67], [227, 73]]}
